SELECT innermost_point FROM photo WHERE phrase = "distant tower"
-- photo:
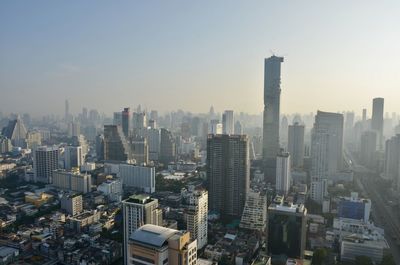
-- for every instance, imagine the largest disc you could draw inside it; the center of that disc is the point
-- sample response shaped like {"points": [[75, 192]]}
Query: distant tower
{"points": [[364, 115], [228, 122], [283, 175], [66, 115], [167, 147], [115, 144], [126, 121], [296, 145], [377, 120], [272, 93]]}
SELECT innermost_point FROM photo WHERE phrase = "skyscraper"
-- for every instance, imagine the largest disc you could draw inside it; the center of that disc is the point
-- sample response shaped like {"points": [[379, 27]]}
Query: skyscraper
{"points": [[115, 145], [368, 148], [138, 210], [296, 145], [45, 161], [73, 157], [167, 147], [66, 114], [16, 132], [326, 151], [272, 93], [392, 160], [228, 172], [215, 127], [126, 117], [377, 120], [228, 122], [283, 174]]}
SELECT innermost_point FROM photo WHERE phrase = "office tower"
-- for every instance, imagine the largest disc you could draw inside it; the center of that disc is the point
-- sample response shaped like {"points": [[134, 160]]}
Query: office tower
{"points": [[117, 119], [66, 114], [158, 245], [138, 177], [72, 204], [154, 115], [254, 215], [74, 129], [167, 147], [364, 115], [215, 127], [228, 172], [286, 228], [348, 128], [152, 124], [238, 128], [140, 149], [368, 145], [72, 181], [138, 210], [196, 209], [33, 140], [73, 157], [326, 151], [81, 141], [112, 188], [283, 132], [272, 93], [377, 120], [392, 160], [185, 130], [153, 140], [100, 147], [354, 208], [228, 122], [283, 174], [296, 145], [126, 118], [16, 132], [45, 161], [139, 120], [115, 145]]}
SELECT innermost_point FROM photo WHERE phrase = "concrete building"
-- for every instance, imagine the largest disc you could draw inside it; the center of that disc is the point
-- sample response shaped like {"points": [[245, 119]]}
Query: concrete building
{"points": [[215, 127], [272, 94], [377, 120], [5, 145], [296, 145], [368, 143], [72, 181], [283, 173], [139, 121], [238, 128], [153, 140], [326, 151], [115, 145], [354, 208], [72, 204], [73, 157], [254, 215], [167, 147], [45, 161], [117, 119], [158, 245], [392, 160], [287, 225], [112, 188], [139, 149], [228, 172], [196, 210], [138, 210], [228, 122], [125, 122]]}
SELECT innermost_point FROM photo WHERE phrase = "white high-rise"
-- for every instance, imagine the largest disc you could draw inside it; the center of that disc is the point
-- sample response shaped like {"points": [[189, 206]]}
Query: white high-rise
{"points": [[45, 161], [215, 127], [73, 157], [196, 204], [283, 174], [228, 122]]}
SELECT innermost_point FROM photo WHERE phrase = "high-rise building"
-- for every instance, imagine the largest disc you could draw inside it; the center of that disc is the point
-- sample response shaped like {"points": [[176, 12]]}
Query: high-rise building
{"points": [[254, 215], [296, 145], [45, 161], [138, 210], [167, 147], [117, 118], [287, 226], [238, 128], [73, 157], [139, 123], [126, 119], [112, 188], [72, 181], [66, 113], [157, 245], [215, 127], [72, 204], [139, 149], [364, 115], [16, 132], [115, 145], [354, 208], [272, 94], [283, 174], [392, 160], [5, 145], [368, 145], [326, 151], [196, 210], [153, 140], [100, 147], [377, 120], [74, 129], [228, 122], [228, 172]]}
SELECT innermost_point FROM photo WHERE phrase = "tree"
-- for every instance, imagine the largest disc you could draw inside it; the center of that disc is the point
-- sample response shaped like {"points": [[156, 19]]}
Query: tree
{"points": [[319, 256], [363, 260], [388, 260]]}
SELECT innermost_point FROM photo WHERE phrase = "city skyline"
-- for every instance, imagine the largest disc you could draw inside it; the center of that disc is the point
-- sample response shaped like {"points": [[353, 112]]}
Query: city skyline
{"points": [[194, 54]]}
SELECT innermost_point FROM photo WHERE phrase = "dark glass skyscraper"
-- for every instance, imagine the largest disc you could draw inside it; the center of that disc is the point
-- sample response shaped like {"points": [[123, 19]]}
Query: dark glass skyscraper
{"points": [[125, 121], [272, 94]]}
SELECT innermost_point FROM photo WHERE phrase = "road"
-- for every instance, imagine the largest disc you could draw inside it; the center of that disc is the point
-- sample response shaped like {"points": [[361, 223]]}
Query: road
{"points": [[382, 212]]}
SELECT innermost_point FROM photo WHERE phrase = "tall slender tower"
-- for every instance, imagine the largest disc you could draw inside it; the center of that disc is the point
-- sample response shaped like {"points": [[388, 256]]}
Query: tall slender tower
{"points": [[126, 121], [377, 120], [66, 114], [272, 94]]}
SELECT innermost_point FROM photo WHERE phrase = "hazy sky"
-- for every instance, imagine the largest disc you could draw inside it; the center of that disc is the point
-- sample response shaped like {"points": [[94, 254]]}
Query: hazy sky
{"points": [[167, 55]]}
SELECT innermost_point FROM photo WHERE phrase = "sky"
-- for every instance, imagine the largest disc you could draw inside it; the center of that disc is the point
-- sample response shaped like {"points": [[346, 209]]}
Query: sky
{"points": [[170, 55]]}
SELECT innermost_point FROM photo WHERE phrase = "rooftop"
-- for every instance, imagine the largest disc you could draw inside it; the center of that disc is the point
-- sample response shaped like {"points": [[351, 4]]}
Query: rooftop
{"points": [[139, 198], [153, 235]]}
